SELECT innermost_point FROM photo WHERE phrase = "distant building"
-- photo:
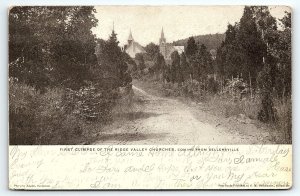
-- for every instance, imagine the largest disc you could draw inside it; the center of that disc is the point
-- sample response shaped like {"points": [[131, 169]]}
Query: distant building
{"points": [[132, 48], [166, 49]]}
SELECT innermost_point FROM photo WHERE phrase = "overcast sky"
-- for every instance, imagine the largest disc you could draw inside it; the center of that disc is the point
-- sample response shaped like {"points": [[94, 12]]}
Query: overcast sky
{"points": [[178, 22]]}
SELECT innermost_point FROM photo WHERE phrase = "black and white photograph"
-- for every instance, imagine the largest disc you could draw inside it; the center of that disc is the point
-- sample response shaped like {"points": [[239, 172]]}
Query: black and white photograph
{"points": [[150, 75], [150, 97]]}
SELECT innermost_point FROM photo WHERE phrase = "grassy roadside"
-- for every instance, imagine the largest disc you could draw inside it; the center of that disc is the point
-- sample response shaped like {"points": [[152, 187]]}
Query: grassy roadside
{"points": [[239, 116]]}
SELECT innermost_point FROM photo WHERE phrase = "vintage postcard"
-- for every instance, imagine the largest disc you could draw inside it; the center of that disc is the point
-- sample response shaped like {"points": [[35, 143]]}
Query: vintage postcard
{"points": [[150, 97]]}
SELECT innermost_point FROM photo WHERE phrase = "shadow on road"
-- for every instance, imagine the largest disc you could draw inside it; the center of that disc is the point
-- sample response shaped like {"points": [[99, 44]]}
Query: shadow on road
{"points": [[136, 115]]}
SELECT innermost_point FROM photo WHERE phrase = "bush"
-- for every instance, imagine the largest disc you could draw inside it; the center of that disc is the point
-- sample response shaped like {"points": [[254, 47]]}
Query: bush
{"points": [[284, 119], [229, 107], [34, 117], [57, 116], [212, 86], [50, 116], [268, 112], [23, 101], [265, 84], [236, 88], [90, 104]]}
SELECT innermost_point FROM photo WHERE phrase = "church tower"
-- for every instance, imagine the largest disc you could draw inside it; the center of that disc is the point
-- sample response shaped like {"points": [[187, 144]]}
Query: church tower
{"points": [[162, 39], [133, 47], [130, 38], [163, 44]]}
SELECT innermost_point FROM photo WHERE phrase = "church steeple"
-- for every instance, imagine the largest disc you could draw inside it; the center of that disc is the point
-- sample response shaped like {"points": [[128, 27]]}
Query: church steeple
{"points": [[130, 38], [162, 33], [162, 39]]}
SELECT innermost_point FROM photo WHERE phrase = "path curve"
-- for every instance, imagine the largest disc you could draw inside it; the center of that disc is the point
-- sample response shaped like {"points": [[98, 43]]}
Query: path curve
{"points": [[164, 121]]}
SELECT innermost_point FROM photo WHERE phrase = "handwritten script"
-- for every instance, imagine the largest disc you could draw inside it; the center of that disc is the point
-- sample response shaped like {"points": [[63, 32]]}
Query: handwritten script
{"points": [[151, 167]]}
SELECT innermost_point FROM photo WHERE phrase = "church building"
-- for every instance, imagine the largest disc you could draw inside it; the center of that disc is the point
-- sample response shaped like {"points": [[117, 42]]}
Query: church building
{"points": [[166, 49], [132, 48]]}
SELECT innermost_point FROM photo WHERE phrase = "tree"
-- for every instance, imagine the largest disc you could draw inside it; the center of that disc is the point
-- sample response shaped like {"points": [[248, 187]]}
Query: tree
{"points": [[229, 56], [52, 54], [251, 45], [175, 67], [201, 64], [184, 68], [191, 47], [266, 25], [75, 54], [30, 51], [132, 66], [51, 45], [243, 51], [159, 65], [280, 49], [113, 63], [140, 61], [206, 60], [152, 49], [287, 20]]}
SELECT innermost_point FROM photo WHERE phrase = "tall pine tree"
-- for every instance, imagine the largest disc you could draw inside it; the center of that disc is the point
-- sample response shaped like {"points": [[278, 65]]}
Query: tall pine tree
{"points": [[113, 63], [191, 47]]}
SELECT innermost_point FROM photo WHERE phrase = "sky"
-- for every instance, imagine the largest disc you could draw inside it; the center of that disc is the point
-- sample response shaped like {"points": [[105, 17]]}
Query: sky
{"points": [[178, 22]]}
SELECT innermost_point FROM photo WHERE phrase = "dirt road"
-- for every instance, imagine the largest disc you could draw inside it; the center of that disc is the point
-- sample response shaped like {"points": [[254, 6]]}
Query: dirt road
{"points": [[161, 120]]}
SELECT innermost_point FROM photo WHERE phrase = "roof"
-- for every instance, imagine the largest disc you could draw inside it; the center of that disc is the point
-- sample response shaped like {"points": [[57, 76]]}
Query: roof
{"points": [[180, 49], [134, 48]]}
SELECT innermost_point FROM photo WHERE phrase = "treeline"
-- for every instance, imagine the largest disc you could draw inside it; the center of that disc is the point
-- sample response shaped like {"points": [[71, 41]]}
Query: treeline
{"points": [[57, 86], [257, 52], [195, 64], [254, 45], [211, 41]]}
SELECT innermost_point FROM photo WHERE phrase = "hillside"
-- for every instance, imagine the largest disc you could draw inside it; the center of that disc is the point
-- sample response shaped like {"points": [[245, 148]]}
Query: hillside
{"points": [[211, 41]]}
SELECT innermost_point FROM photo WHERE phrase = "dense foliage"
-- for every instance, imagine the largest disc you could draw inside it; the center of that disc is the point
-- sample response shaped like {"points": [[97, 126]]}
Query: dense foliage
{"points": [[211, 41], [57, 86], [259, 53]]}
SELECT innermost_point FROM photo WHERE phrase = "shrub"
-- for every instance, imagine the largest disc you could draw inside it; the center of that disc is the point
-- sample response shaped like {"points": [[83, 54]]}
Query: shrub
{"points": [[191, 88], [267, 113], [221, 104], [236, 87], [90, 104], [265, 84], [284, 119], [48, 118], [23, 101], [34, 117], [212, 86]]}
